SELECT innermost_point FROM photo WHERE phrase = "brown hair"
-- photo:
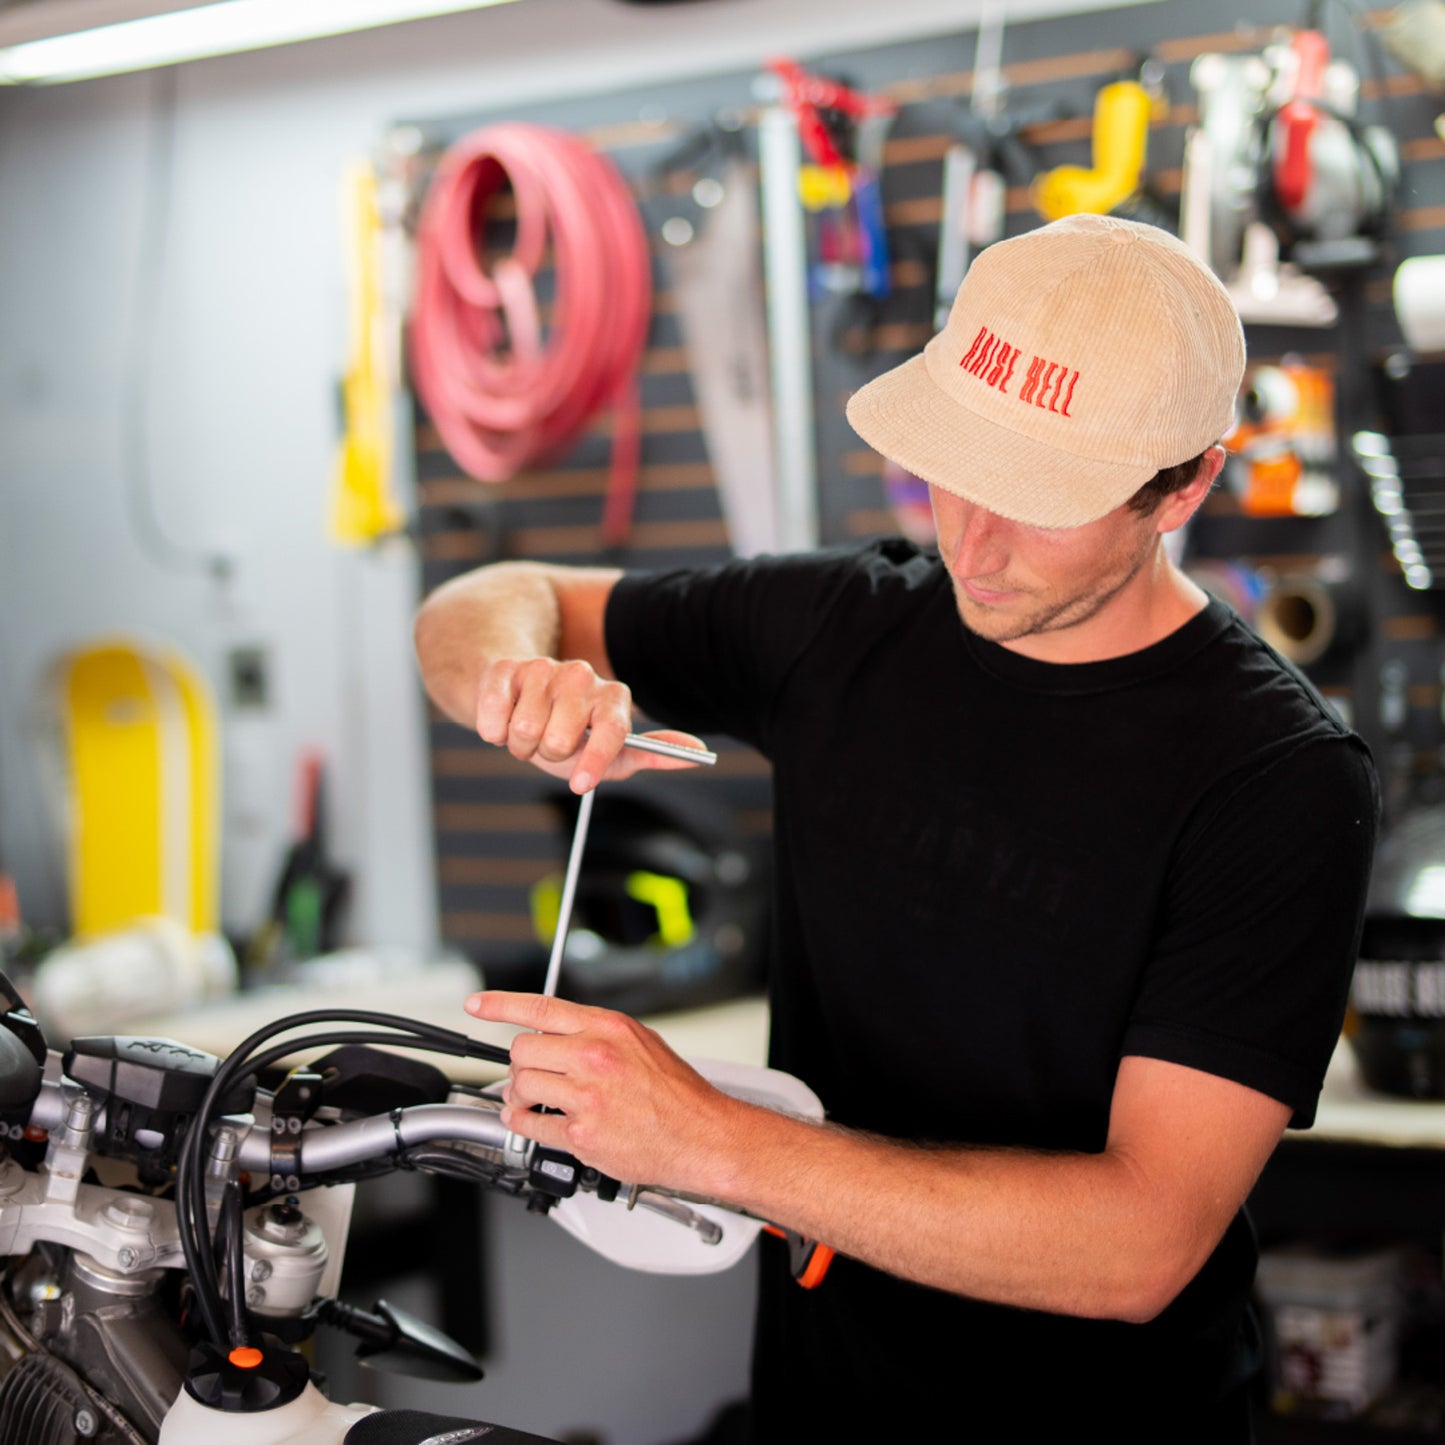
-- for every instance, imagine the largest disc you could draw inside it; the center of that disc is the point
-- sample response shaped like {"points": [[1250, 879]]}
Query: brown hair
{"points": [[1162, 483]]}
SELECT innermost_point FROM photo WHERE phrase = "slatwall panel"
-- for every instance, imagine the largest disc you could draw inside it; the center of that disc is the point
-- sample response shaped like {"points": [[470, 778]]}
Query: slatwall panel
{"points": [[496, 834]]}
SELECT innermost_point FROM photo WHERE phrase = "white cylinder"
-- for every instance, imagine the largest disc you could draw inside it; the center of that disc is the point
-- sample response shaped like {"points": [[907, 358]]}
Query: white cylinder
{"points": [[284, 1262]]}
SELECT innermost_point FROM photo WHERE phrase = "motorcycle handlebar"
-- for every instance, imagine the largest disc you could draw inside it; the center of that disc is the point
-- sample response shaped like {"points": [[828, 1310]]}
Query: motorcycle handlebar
{"points": [[326, 1148], [358, 1140]]}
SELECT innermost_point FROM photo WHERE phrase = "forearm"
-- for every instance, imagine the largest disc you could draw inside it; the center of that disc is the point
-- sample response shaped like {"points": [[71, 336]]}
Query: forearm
{"points": [[518, 651], [1112, 1235], [1071, 1233], [508, 610]]}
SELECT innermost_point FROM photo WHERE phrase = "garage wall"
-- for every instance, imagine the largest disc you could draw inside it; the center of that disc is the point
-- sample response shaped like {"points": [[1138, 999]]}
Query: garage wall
{"points": [[497, 831], [237, 328]]}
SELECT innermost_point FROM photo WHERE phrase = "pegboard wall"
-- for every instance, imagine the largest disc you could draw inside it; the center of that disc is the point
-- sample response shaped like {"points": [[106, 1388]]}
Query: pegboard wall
{"points": [[497, 833]]}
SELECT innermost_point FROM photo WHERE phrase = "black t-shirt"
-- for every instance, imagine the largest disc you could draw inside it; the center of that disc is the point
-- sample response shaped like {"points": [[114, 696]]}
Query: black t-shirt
{"points": [[996, 877]]}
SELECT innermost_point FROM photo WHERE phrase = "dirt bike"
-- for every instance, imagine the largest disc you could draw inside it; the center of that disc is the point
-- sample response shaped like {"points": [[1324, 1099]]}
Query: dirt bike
{"points": [[172, 1224]]}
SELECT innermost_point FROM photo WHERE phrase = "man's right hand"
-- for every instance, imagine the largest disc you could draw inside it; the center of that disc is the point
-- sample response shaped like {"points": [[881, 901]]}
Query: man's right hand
{"points": [[564, 718]]}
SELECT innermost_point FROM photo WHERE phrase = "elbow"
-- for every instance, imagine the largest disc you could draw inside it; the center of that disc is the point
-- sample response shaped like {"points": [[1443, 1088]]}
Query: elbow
{"points": [[1145, 1303], [428, 643], [427, 625], [1149, 1284]]}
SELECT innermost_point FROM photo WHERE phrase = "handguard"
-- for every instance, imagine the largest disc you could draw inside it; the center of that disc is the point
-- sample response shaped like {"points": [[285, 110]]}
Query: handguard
{"points": [[638, 1237]]}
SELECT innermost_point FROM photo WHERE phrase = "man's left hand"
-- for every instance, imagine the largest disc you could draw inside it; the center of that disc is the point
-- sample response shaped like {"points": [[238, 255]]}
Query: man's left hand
{"points": [[629, 1106]]}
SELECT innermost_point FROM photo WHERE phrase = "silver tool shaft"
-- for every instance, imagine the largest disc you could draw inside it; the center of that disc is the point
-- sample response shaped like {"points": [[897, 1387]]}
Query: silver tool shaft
{"points": [[579, 842], [645, 744], [569, 889]]}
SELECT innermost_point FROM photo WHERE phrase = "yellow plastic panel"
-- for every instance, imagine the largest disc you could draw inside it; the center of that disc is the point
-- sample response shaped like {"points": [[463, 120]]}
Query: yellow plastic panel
{"points": [[115, 777], [142, 806]]}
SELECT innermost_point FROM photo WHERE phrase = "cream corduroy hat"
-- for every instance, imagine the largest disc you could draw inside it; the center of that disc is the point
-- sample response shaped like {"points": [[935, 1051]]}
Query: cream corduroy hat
{"points": [[1078, 360]]}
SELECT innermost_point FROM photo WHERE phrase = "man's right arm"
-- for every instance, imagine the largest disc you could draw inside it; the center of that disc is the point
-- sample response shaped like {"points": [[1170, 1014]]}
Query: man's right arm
{"points": [[517, 650]]}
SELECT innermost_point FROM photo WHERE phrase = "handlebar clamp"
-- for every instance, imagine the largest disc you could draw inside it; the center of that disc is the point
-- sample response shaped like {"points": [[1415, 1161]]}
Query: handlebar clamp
{"points": [[285, 1161]]}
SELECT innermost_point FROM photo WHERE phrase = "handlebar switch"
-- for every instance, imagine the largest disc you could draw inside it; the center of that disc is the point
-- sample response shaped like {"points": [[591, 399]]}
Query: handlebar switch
{"points": [[554, 1173], [152, 1090]]}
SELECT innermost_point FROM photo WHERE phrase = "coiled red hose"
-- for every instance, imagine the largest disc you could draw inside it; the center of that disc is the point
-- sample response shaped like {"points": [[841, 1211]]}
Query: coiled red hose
{"points": [[502, 396]]}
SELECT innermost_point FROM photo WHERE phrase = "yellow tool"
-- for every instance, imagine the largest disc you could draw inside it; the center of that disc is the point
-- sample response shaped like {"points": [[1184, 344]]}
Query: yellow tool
{"points": [[363, 507], [1121, 132]]}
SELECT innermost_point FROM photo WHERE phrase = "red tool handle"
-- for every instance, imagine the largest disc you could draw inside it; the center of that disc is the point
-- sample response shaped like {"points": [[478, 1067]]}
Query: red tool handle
{"points": [[805, 94], [1298, 117]]}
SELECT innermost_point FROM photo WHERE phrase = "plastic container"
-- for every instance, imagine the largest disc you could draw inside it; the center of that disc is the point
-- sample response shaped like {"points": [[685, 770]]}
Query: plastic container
{"points": [[1334, 1325]]}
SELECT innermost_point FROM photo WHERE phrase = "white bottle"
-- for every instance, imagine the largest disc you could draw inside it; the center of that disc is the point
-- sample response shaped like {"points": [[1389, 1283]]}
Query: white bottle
{"points": [[309, 1419]]}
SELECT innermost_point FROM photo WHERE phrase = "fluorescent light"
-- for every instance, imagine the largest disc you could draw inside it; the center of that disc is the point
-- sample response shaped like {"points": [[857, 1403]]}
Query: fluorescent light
{"points": [[220, 28]]}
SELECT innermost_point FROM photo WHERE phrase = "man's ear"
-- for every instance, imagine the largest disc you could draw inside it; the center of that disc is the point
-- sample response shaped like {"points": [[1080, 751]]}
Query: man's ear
{"points": [[1178, 507]]}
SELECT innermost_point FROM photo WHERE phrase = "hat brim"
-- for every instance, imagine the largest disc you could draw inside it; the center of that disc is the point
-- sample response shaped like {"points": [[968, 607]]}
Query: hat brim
{"points": [[910, 420]]}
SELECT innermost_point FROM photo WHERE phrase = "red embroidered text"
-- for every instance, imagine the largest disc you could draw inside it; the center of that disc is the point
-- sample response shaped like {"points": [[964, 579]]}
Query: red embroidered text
{"points": [[1046, 384], [991, 360]]}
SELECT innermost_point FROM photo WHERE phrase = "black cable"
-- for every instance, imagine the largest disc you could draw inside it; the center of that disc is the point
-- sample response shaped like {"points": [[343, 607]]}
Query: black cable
{"points": [[291, 1046], [191, 1215], [232, 1218], [454, 1163]]}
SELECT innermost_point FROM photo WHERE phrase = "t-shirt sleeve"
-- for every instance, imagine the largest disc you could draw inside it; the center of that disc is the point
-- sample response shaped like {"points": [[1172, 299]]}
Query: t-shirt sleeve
{"points": [[1261, 926], [709, 650]]}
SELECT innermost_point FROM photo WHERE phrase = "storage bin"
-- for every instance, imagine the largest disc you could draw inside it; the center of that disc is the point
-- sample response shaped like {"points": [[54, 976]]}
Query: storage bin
{"points": [[1334, 1324]]}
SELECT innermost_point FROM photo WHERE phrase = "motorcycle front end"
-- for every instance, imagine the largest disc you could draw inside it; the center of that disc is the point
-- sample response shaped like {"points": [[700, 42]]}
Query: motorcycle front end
{"points": [[167, 1247]]}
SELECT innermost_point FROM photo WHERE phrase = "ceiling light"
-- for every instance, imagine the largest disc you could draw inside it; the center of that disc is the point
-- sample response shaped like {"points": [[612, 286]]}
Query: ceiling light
{"points": [[220, 28]]}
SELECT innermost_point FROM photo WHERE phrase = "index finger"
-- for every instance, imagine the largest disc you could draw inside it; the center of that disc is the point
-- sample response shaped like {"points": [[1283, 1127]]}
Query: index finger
{"points": [[531, 1011], [604, 743]]}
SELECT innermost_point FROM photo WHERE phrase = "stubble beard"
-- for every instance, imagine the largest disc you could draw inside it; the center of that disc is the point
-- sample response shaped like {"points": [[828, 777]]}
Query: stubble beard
{"points": [[996, 626]]}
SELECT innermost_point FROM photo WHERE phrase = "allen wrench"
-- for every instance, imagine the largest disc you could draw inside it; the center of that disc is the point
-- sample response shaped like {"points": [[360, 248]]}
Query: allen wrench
{"points": [[579, 842]]}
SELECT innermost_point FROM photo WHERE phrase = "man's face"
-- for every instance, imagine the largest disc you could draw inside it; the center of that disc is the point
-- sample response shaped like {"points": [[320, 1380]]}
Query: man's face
{"points": [[1045, 592]]}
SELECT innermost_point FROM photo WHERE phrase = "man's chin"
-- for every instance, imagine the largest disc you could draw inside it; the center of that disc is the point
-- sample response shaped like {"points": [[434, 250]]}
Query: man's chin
{"points": [[1003, 623], [996, 626]]}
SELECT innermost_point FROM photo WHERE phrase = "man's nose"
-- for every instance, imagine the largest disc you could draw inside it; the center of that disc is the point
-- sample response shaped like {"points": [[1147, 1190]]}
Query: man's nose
{"points": [[980, 548]]}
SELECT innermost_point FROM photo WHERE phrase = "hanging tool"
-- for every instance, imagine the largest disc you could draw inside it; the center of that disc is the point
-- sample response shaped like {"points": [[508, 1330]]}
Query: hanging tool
{"points": [[1280, 179], [1414, 34], [843, 132], [790, 334], [1122, 112], [973, 188], [579, 842], [711, 229], [363, 507], [311, 891], [1282, 454], [1332, 179]]}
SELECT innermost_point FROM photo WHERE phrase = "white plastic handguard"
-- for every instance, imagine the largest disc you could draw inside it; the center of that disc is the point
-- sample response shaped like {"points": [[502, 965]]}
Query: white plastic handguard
{"points": [[639, 1239]]}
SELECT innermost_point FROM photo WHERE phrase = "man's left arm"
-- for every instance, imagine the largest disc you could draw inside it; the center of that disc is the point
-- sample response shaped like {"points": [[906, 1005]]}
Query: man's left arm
{"points": [[1110, 1235]]}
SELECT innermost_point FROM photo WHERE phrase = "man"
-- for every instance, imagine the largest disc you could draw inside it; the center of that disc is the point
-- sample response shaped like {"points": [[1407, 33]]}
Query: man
{"points": [[1068, 894]]}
